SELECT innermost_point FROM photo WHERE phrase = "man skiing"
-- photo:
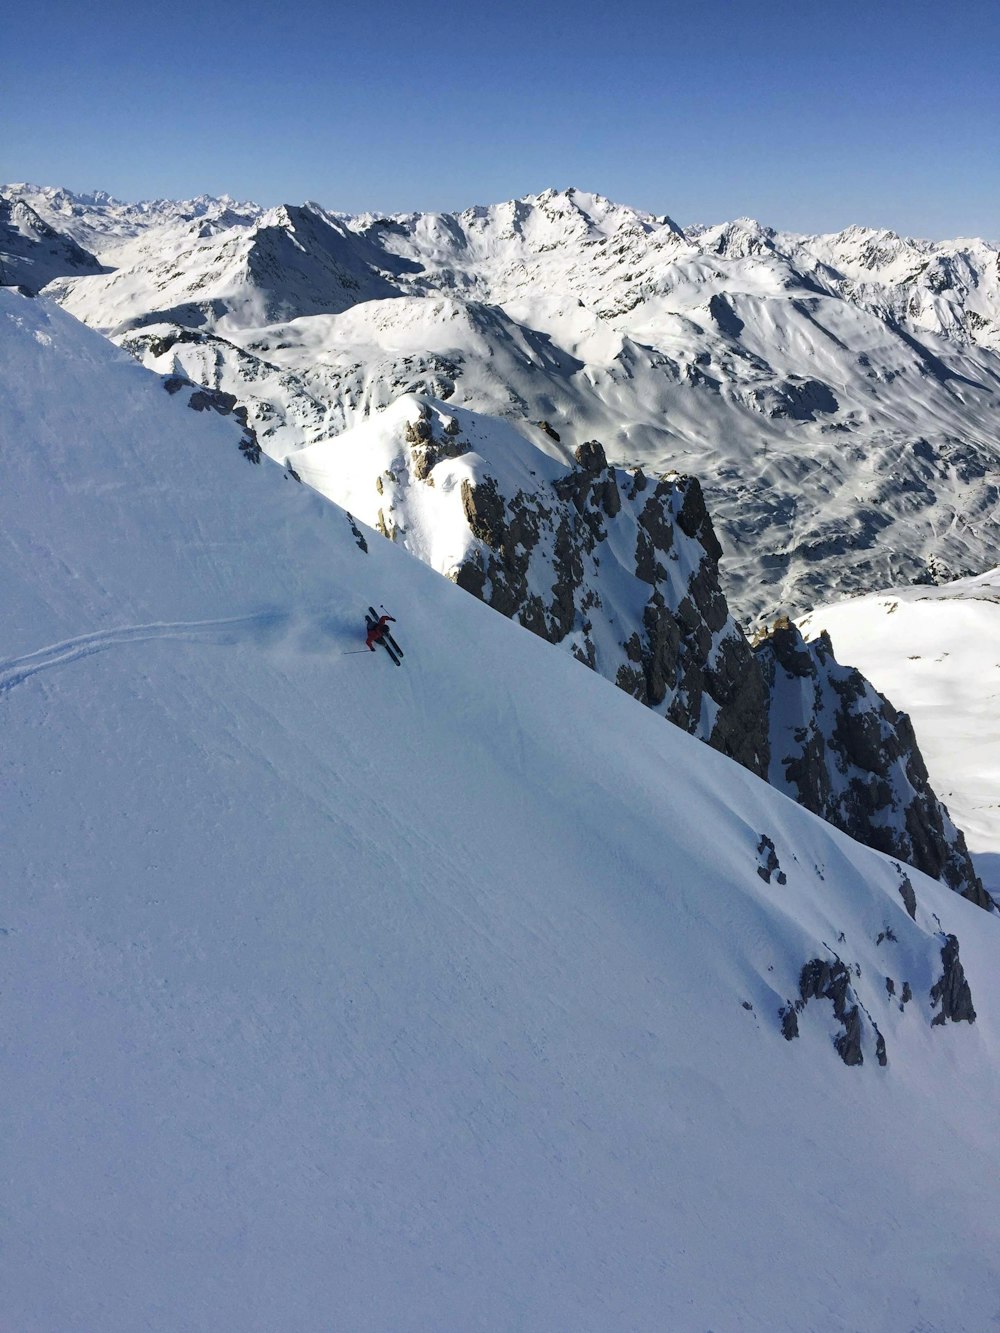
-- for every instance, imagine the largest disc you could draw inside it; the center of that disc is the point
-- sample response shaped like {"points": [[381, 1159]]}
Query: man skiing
{"points": [[378, 631]]}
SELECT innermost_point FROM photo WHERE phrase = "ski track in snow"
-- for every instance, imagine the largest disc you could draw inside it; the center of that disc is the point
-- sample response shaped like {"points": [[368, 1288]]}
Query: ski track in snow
{"points": [[17, 670]]}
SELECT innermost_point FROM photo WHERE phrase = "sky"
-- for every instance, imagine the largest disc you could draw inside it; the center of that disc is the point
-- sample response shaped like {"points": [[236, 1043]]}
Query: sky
{"points": [[806, 116]]}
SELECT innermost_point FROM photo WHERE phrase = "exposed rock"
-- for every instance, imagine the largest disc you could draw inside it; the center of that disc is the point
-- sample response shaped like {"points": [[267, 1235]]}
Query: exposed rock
{"points": [[768, 863], [427, 456], [789, 1022], [726, 319], [484, 510], [537, 556], [576, 552], [907, 894], [951, 990], [832, 981], [225, 404], [799, 400], [839, 748], [359, 536], [34, 253], [693, 518]]}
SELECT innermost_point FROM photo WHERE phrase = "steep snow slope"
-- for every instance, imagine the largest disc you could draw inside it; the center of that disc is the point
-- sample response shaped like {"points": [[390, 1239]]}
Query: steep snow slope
{"points": [[620, 571], [442, 996], [837, 396], [623, 572], [936, 652]]}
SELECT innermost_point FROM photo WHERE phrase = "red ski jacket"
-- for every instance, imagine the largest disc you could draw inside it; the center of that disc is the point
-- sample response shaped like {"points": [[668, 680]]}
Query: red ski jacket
{"points": [[378, 631]]}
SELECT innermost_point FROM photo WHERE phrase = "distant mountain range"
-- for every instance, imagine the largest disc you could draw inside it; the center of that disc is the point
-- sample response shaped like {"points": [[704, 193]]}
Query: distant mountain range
{"points": [[837, 396]]}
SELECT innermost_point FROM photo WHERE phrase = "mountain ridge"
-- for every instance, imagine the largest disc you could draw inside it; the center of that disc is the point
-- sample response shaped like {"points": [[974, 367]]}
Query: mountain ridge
{"points": [[837, 395]]}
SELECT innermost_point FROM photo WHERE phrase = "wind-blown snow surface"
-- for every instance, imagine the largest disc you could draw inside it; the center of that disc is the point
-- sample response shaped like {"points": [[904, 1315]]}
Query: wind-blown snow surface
{"points": [[936, 653], [342, 995]]}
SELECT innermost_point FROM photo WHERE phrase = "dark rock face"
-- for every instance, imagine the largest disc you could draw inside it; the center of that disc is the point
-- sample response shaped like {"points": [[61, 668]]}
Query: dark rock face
{"points": [[833, 981], [839, 748], [908, 896], [951, 991], [225, 404], [726, 318], [800, 400], [820, 980], [427, 453], [767, 861], [623, 571], [359, 536], [538, 562]]}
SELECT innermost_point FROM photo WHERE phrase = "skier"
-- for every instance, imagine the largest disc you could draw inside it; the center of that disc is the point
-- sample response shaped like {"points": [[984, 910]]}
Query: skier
{"points": [[378, 631]]}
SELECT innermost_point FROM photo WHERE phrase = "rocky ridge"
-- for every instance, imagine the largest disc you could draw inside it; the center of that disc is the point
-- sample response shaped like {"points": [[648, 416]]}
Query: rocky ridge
{"points": [[842, 750], [622, 570]]}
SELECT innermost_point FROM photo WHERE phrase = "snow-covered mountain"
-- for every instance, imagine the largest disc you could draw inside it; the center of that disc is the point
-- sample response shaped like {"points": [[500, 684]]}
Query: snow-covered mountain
{"points": [[99, 222], [460, 993], [836, 396], [321, 327], [620, 571], [32, 253], [950, 289]]}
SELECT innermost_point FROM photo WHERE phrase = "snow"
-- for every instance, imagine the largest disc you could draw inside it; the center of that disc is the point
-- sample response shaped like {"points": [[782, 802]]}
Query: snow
{"points": [[342, 995], [835, 395], [935, 652]]}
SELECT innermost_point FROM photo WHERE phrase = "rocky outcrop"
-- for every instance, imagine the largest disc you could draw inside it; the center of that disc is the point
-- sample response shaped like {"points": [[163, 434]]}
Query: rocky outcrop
{"points": [[951, 990], [842, 750], [855, 997], [833, 981], [622, 570], [617, 568], [555, 557], [225, 404]]}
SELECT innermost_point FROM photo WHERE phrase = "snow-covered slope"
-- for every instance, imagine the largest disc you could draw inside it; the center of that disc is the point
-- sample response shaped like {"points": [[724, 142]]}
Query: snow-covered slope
{"points": [[951, 288], [620, 571], [623, 573], [290, 262], [448, 995], [936, 652], [837, 396]]}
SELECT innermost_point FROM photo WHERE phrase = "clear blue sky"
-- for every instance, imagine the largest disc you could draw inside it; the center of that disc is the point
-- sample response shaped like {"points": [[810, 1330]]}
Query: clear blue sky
{"points": [[806, 115]]}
